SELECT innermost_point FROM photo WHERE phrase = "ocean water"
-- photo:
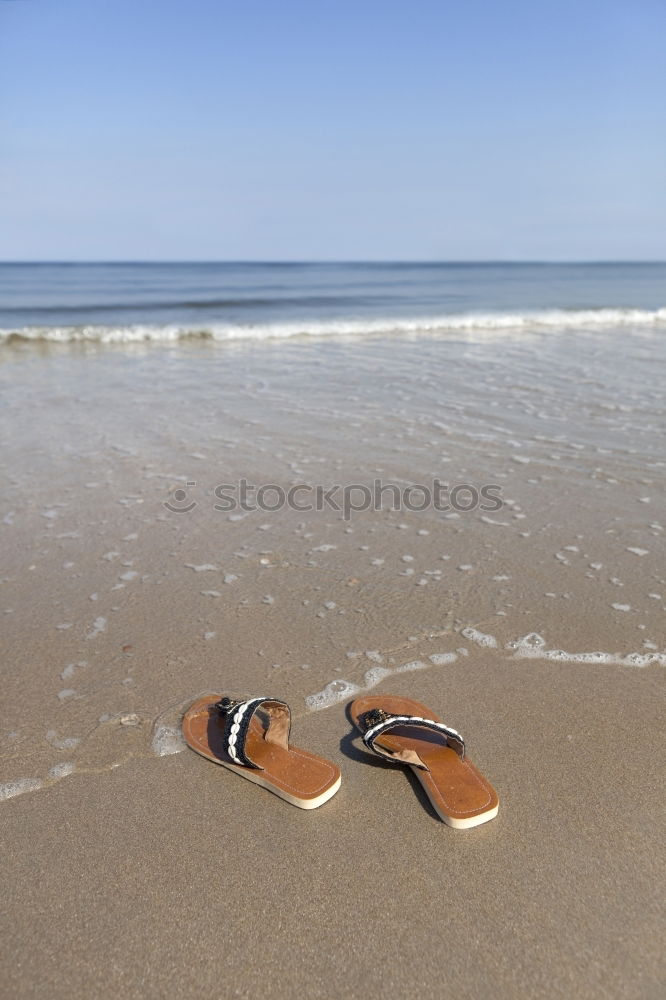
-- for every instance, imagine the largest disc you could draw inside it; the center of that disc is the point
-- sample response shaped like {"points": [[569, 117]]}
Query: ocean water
{"points": [[161, 302]]}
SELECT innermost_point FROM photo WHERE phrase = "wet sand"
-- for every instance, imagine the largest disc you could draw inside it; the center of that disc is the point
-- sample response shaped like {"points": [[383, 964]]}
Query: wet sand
{"points": [[536, 630], [171, 878]]}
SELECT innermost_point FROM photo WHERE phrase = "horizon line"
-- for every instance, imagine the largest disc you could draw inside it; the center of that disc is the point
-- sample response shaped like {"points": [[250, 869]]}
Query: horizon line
{"points": [[341, 260]]}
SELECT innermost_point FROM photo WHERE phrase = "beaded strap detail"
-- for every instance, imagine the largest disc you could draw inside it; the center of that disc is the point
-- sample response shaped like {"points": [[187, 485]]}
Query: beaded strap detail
{"points": [[381, 722], [238, 716]]}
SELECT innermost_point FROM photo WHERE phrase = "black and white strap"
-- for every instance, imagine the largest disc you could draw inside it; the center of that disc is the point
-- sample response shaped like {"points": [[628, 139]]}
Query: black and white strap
{"points": [[387, 722], [238, 716]]}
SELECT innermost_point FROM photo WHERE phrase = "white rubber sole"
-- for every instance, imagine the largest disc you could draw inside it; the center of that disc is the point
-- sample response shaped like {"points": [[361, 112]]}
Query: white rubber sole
{"points": [[458, 824], [255, 776]]}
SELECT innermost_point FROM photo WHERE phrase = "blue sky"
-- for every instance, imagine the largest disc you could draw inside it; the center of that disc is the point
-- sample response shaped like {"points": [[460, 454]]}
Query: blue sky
{"points": [[287, 130]]}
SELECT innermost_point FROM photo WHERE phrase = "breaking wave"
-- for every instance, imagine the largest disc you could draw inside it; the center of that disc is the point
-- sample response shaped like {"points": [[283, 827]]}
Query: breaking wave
{"points": [[484, 325]]}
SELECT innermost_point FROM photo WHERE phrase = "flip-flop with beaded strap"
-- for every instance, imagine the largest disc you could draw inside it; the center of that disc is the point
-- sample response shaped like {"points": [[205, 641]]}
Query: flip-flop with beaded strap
{"points": [[251, 737], [403, 731]]}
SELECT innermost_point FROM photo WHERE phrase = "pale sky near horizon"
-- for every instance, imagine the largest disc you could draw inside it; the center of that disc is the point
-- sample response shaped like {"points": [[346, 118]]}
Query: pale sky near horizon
{"points": [[294, 130]]}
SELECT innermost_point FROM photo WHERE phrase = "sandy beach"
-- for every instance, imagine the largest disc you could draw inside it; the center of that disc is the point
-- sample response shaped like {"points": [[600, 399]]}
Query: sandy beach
{"points": [[132, 865], [171, 878], [332, 420]]}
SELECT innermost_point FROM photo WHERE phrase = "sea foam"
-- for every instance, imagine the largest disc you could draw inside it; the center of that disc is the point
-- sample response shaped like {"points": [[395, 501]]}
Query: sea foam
{"points": [[482, 325]]}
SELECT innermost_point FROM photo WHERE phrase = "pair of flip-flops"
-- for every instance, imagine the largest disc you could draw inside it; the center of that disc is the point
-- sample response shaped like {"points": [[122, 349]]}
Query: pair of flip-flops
{"points": [[251, 737]]}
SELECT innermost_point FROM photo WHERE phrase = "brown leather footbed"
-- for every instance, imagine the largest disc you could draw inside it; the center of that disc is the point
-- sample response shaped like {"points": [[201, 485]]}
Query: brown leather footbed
{"points": [[455, 787], [297, 772]]}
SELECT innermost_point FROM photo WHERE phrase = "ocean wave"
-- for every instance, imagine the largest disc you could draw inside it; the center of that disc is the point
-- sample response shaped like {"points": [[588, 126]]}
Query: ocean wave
{"points": [[246, 302], [483, 325]]}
